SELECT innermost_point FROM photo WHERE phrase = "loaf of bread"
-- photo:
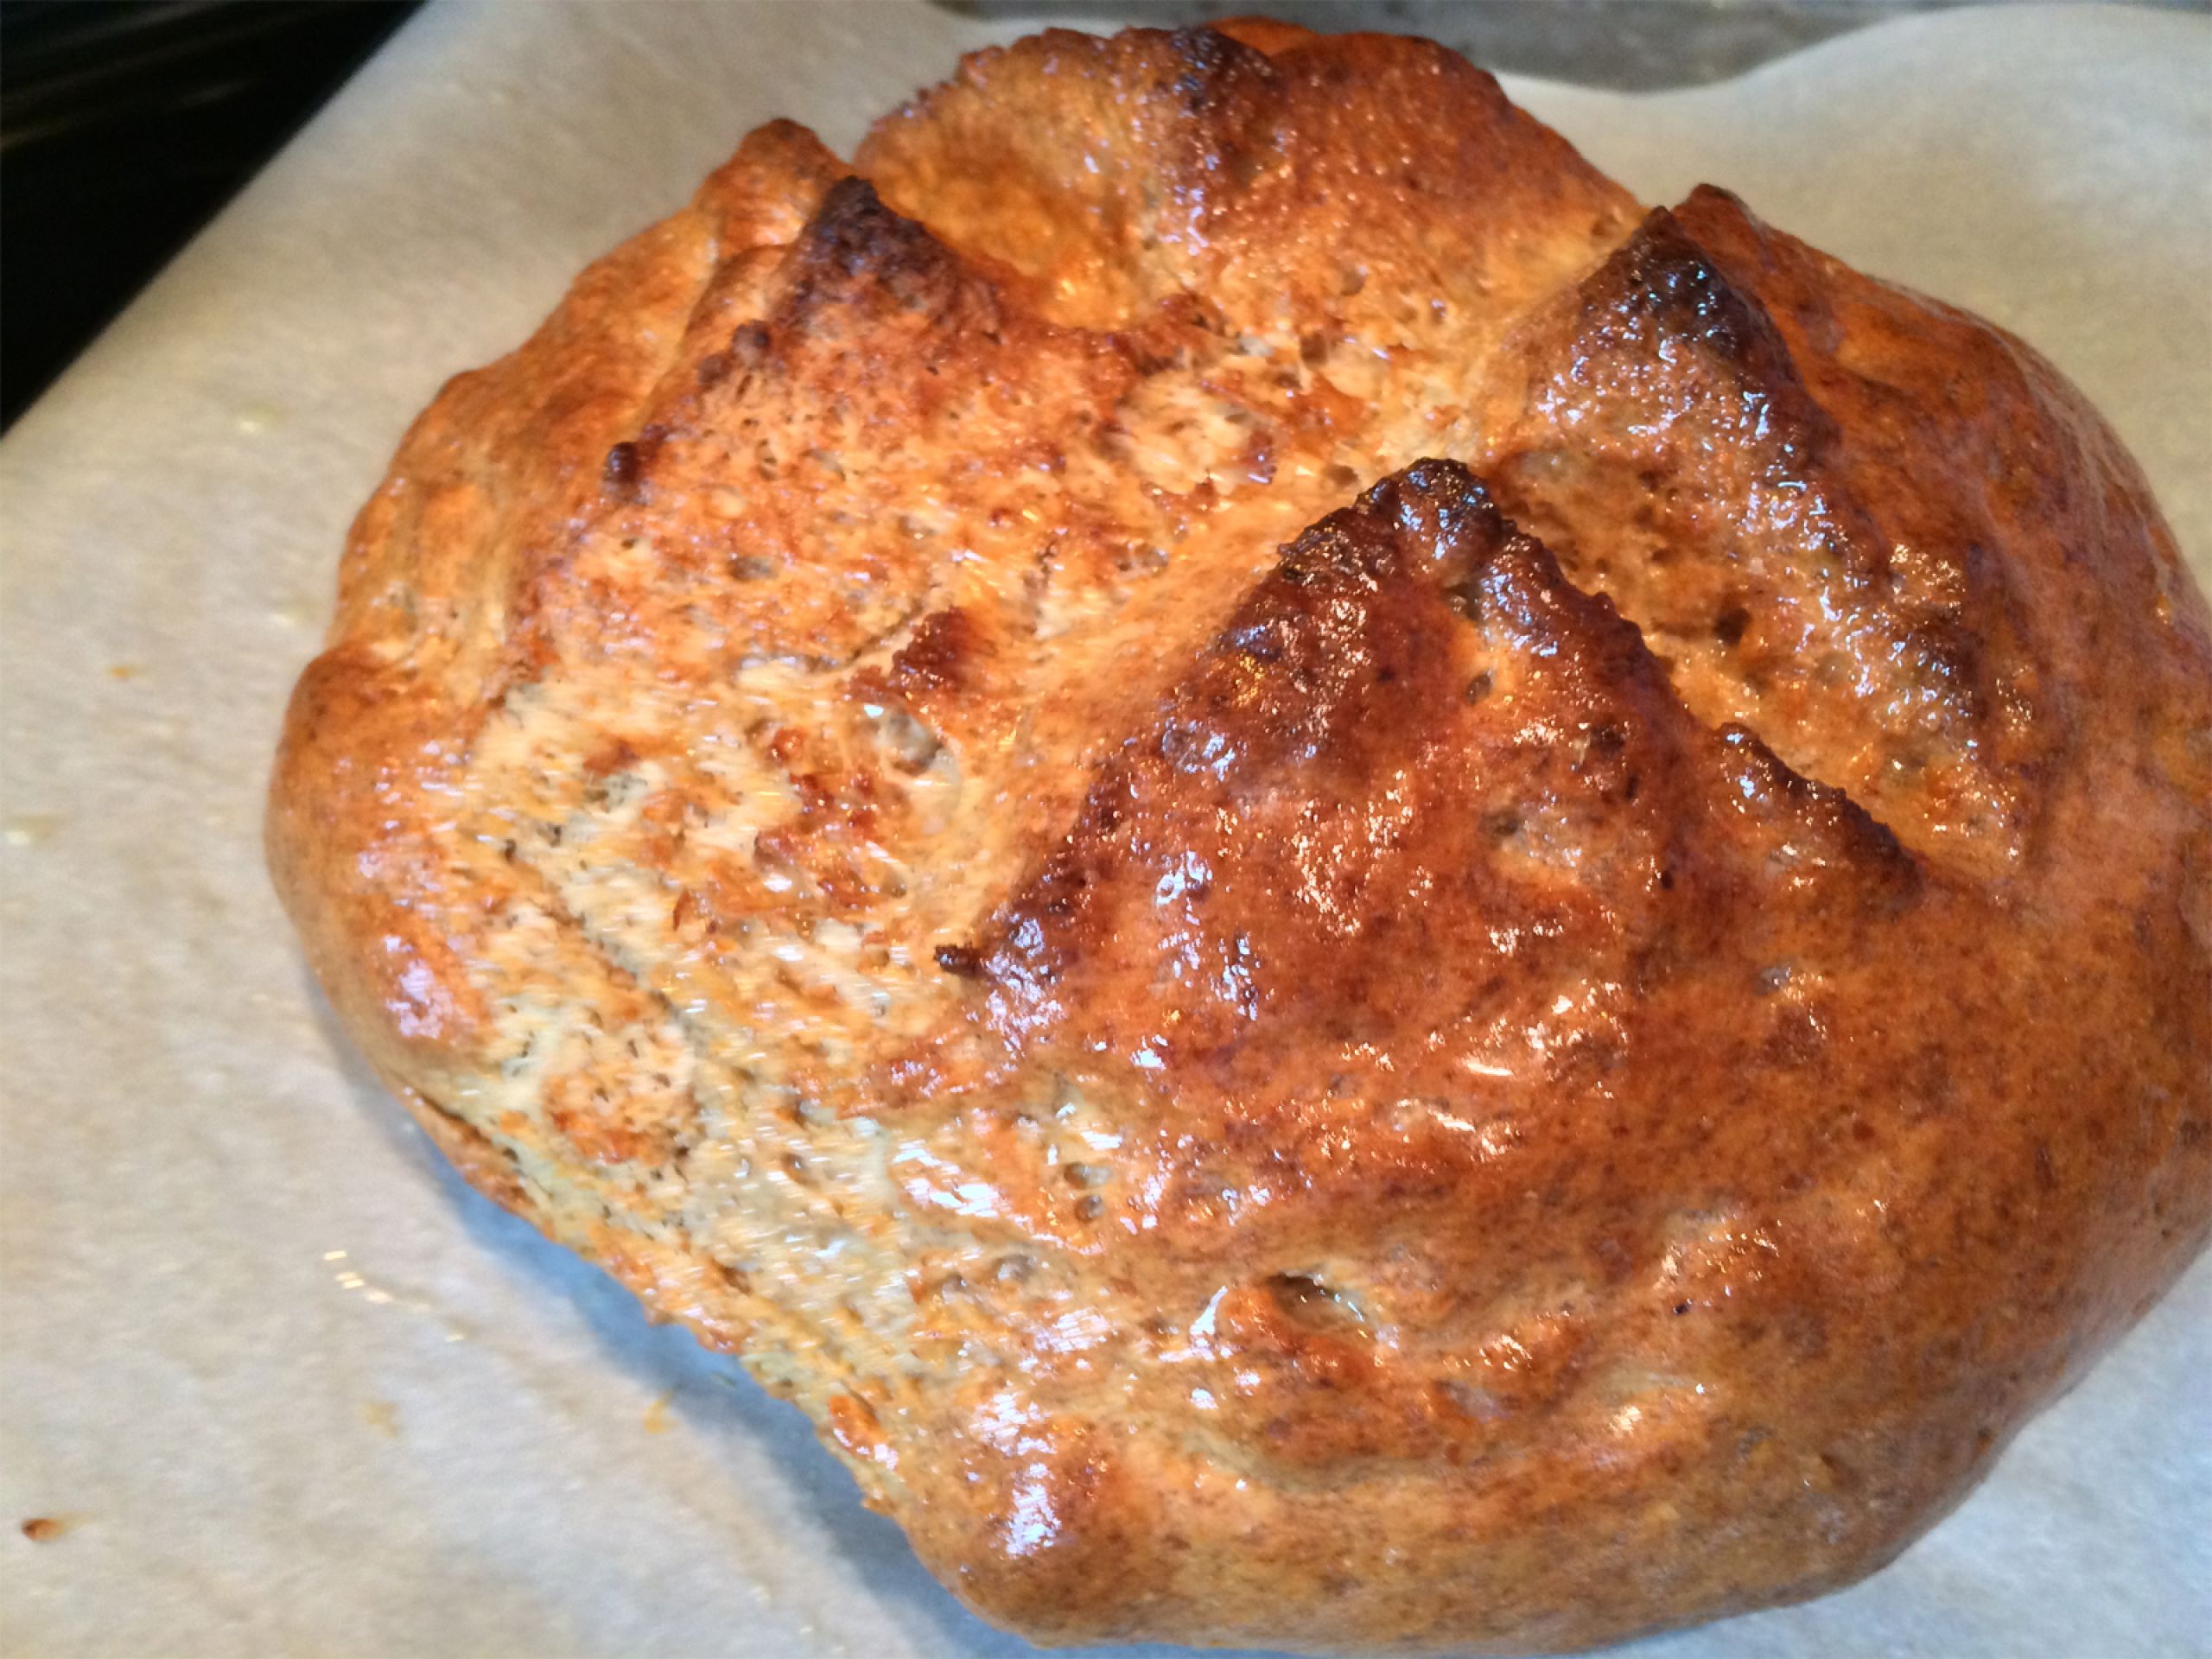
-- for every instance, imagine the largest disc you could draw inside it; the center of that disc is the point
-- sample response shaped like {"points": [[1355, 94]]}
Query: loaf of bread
{"points": [[1349, 897]]}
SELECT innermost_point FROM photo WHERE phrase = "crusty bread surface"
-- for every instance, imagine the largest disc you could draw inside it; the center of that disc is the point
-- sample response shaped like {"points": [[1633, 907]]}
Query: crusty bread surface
{"points": [[1351, 899]]}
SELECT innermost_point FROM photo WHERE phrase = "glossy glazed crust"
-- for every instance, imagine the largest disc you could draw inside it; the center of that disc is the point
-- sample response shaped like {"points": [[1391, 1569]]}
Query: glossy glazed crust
{"points": [[1350, 899]]}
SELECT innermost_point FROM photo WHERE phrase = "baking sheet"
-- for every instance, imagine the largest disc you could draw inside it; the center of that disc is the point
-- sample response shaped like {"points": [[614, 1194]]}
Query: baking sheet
{"points": [[286, 1385]]}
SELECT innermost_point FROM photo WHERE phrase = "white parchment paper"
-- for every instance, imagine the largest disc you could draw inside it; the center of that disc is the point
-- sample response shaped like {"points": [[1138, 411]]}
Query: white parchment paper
{"points": [[290, 1388]]}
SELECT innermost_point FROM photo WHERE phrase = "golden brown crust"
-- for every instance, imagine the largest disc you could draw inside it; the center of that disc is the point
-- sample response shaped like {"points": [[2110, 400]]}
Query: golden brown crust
{"points": [[1570, 1050]]}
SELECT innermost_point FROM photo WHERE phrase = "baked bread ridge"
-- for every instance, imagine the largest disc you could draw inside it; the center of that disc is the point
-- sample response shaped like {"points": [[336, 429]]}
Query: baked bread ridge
{"points": [[1411, 1090]]}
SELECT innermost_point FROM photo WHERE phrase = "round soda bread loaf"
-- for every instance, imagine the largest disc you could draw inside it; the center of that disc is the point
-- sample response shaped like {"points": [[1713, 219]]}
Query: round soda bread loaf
{"points": [[1349, 897]]}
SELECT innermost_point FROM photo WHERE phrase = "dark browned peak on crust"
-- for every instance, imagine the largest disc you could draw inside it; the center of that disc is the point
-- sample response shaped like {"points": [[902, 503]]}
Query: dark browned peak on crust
{"points": [[1420, 783], [1565, 1048], [1778, 469]]}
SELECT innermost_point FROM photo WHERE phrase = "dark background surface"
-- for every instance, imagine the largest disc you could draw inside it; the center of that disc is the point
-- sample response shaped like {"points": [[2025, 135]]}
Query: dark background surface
{"points": [[125, 125]]}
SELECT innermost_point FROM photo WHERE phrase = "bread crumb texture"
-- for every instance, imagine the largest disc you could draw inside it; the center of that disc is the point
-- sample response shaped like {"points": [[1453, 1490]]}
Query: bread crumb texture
{"points": [[1348, 896]]}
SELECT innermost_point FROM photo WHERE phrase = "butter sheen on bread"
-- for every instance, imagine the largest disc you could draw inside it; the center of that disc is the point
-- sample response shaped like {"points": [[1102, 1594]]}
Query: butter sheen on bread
{"points": [[1349, 896]]}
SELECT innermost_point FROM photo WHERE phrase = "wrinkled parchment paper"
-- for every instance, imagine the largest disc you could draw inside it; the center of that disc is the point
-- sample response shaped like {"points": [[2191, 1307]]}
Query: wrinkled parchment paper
{"points": [[288, 1387]]}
